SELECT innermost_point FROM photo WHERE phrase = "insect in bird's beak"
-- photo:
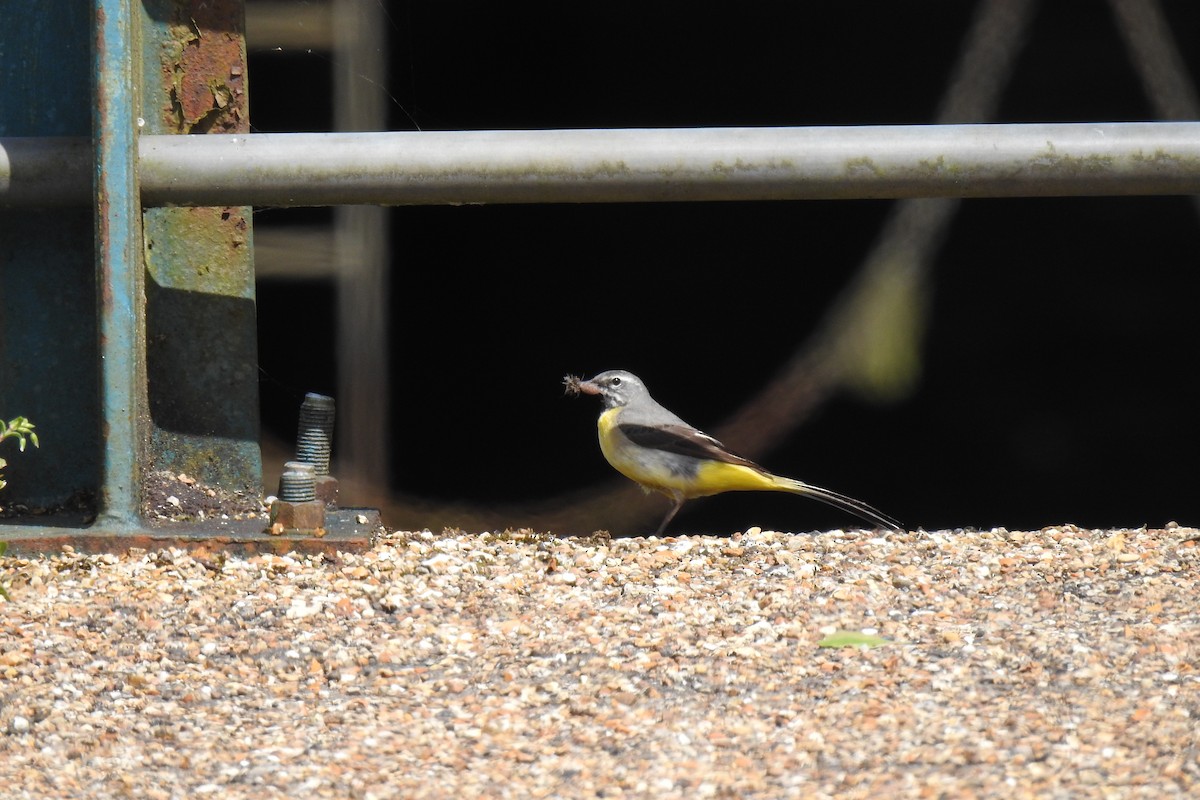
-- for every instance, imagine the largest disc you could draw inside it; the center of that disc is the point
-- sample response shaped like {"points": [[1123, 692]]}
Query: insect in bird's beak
{"points": [[575, 386], [571, 385]]}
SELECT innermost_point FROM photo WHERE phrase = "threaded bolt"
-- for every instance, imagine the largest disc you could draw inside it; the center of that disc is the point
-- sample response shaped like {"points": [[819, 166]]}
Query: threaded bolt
{"points": [[314, 440], [298, 482]]}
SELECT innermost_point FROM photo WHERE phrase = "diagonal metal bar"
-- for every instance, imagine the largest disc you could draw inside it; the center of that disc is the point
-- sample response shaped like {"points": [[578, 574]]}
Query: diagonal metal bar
{"points": [[1156, 57], [870, 340]]}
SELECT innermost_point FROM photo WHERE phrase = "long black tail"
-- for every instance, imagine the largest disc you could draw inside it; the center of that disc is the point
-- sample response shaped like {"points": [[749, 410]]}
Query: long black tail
{"points": [[856, 507]]}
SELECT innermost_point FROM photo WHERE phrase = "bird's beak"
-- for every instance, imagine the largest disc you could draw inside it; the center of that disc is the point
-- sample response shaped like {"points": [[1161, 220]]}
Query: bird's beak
{"points": [[574, 385]]}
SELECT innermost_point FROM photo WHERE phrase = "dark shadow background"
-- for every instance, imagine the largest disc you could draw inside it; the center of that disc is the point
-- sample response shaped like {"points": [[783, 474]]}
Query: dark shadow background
{"points": [[1059, 377]]}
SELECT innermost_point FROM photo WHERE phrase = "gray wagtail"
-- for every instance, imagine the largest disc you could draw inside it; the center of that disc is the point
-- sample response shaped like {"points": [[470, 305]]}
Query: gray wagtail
{"points": [[659, 451]]}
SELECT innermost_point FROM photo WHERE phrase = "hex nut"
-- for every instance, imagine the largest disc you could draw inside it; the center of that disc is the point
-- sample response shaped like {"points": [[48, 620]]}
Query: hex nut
{"points": [[305, 516]]}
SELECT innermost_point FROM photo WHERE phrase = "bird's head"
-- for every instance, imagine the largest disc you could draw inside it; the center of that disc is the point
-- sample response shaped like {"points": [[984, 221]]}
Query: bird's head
{"points": [[616, 387]]}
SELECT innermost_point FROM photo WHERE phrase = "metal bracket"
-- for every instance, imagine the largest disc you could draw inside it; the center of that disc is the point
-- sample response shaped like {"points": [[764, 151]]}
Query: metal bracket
{"points": [[128, 335]]}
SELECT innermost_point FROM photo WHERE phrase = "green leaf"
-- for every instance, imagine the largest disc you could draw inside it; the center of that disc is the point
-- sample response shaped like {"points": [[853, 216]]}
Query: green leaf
{"points": [[852, 639], [20, 428]]}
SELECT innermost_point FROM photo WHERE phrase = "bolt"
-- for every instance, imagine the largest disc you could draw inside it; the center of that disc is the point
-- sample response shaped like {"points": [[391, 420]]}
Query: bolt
{"points": [[314, 441], [315, 437], [297, 508], [298, 482]]}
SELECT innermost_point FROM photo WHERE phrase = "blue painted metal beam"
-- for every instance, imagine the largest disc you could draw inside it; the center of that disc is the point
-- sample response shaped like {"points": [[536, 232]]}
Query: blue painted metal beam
{"points": [[127, 334], [48, 366], [118, 262], [85, 289]]}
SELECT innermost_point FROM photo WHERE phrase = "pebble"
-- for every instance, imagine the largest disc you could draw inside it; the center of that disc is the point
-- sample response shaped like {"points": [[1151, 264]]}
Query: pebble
{"points": [[1023, 664]]}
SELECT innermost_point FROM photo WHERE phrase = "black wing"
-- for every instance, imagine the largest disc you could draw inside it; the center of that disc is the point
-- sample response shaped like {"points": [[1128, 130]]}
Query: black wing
{"points": [[682, 440]]}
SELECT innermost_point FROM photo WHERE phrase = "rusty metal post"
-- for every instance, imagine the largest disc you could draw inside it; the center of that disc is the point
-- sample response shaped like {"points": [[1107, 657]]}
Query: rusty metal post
{"points": [[202, 353], [127, 335], [118, 264]]}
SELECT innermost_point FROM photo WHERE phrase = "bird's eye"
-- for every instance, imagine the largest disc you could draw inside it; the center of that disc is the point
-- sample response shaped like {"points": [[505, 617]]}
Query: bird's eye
{"points": [[615, 381]]}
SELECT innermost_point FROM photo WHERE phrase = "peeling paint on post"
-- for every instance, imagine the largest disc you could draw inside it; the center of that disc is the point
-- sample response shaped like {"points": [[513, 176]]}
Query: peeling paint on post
{"points": [[129, 336], [201, 61], [199, 263], [118, 265]]}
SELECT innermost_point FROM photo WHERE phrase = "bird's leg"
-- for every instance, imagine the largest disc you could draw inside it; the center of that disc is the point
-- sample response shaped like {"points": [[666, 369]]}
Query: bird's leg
{"points": [[670, 515]]}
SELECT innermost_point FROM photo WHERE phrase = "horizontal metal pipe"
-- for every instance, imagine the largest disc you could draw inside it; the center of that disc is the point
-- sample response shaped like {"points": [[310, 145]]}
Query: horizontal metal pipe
{"points": [[45, 171], [628, 165]]}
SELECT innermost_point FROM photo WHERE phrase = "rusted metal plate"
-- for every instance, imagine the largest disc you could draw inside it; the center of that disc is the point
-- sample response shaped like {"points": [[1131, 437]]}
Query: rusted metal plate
{"points": [[195, 66], [202, 356], [346, 530], [202, 351]]}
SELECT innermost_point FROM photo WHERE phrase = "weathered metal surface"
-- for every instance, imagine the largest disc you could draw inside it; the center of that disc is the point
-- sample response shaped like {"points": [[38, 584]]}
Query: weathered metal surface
{"points": [[124, 375], [200, 300], [49, 371], [826, 163], [118, 264], [195, 66], [343, 532], [200, 303], [299, 517], [677, 165]]}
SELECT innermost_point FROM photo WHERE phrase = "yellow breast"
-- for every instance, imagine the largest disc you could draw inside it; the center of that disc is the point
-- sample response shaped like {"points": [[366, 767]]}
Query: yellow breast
{"points": [[635, 462]]}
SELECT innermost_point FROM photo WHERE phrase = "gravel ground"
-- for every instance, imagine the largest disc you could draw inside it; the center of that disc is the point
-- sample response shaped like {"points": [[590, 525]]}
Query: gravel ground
{"points": [[1059, 663]]}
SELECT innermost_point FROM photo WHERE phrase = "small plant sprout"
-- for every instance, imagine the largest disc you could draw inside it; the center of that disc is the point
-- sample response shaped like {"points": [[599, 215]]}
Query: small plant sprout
{"points": [[20, 429]]}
